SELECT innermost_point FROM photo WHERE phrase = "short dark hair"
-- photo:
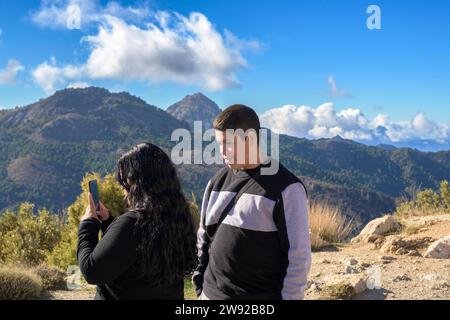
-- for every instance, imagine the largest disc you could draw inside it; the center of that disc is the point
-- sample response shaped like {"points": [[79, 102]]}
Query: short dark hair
{"points": [[236, 117]]}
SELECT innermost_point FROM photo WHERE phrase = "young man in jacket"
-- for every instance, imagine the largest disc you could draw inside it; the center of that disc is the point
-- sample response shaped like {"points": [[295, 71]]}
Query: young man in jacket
{"points": [[260, 248]]}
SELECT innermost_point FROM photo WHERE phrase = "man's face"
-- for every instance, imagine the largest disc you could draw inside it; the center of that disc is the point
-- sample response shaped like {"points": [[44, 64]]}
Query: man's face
{"points": [[236, 149], [228, 146]]}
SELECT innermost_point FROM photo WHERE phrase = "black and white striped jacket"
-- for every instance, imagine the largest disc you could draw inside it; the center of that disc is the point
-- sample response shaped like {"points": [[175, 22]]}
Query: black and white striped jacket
{"points": [[262, 249]]}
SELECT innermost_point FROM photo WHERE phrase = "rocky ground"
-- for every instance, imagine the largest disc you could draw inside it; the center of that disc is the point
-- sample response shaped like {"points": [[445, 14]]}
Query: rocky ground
{"points": [[391, 269], [380, 267]]}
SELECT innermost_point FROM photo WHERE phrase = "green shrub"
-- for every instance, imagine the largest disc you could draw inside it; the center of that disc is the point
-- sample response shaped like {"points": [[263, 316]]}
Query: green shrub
{"points": [[427, 202], [26, 238], [428, 199], [445, 194], [52, 278], [19, 284]]}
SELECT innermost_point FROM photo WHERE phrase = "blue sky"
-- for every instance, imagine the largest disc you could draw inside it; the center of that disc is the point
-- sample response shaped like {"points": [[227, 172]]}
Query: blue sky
{"points": [[288, 53]]}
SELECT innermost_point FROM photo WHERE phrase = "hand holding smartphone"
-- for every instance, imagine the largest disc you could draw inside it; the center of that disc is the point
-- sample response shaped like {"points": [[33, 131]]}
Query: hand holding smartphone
{"points": [[93, 189]]}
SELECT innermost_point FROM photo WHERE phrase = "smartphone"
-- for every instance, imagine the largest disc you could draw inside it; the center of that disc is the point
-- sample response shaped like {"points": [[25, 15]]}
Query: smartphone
{"points": [[93, 189]]}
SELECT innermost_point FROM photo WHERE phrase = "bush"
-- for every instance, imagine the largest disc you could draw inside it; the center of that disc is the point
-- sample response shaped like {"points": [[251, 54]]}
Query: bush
{"points": [[51, 278], [428, 199], [426, 202], [19, 284], [328, 223], [445, 194], [26, 238], [64, 254]]}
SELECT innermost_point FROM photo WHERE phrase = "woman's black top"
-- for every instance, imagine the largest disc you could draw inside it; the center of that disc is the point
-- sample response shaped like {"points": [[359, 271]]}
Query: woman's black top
{"points": [[113, 263]]}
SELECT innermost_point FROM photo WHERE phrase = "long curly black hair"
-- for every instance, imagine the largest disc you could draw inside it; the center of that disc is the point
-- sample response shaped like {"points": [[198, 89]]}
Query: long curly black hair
{"points": [[165, 228]]}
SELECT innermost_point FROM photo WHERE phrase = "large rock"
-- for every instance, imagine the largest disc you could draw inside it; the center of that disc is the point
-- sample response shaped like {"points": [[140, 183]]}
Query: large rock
{"points": [[377, 227], [439, 249], [345, 285]]}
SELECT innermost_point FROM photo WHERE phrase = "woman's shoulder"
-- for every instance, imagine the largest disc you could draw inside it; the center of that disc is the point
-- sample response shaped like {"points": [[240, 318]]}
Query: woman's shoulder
{"points": [[128, 219]]}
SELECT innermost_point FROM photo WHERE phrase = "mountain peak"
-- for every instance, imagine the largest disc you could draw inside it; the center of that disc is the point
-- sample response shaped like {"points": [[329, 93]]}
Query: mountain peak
{"points": [[337, 138], [195, 107], [197, 95]]}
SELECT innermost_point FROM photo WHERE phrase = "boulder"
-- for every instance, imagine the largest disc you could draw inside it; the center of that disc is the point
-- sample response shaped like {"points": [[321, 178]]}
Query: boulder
{"points": [[440, 249], [377, 227], [353, 285]]}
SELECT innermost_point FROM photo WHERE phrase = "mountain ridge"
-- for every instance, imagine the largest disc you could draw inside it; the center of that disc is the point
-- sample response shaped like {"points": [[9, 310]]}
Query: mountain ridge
{"points": [[81, 130]]}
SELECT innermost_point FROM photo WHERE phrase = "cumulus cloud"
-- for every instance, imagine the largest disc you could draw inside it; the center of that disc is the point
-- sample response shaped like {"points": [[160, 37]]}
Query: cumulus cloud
{"points": [[326, 122], [187, 50], [172, 48], [49, 76], [8, 75]]}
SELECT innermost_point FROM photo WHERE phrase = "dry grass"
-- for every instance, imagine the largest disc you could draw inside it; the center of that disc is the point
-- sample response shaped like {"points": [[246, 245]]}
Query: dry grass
{"points": [[329, 224], [19, 284], [52, 278], [413, 211], [410, 229]]}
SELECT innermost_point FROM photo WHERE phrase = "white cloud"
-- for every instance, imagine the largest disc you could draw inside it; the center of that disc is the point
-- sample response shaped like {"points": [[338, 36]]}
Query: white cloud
{"points": [[49, 76], [8, 75], [326, 122], [175, 48], [179, 49], [335, 92]]}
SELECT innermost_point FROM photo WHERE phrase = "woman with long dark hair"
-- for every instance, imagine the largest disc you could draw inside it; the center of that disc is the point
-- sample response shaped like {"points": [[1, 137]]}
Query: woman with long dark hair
{"points": [[146, 252]]}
